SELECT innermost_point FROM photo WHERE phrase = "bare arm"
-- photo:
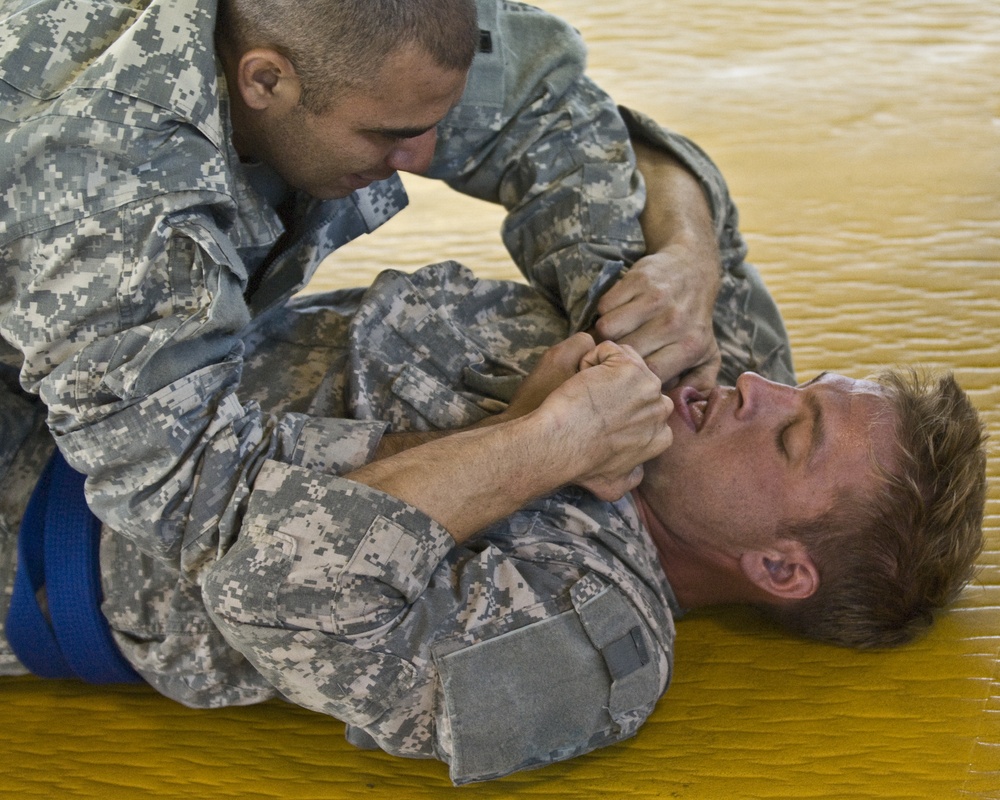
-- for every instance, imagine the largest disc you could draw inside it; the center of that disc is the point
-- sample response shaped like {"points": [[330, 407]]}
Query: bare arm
{"points": [[596, 429], [663, 306]]}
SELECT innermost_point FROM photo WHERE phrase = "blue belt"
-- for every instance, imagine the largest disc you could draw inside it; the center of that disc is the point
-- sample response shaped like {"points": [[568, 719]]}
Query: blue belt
{"points": [[58, 549]]}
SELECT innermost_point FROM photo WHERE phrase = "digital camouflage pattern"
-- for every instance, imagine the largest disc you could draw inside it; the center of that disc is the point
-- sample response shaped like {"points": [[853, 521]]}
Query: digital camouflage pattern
{"points": [[144, 298], [357, 605], [354, 604], [351, 603], [137, 250]]}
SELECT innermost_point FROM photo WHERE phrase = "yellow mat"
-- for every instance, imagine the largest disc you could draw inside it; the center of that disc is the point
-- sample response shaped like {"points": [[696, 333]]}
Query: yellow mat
{"points": [[862, 142]]}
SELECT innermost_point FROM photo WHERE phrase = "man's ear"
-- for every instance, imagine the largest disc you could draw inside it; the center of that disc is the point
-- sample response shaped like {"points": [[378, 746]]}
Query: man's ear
{"points": [[785, 571], [267, 80]]}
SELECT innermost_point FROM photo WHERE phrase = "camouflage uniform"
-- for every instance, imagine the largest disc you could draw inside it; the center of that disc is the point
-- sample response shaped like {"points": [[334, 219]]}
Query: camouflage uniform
{"points": [[143, 265], [547, 635]]}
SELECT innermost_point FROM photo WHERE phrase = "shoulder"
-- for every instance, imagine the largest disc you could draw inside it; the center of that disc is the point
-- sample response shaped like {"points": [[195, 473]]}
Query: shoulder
{"points": [[157, 52], [521, 48]]}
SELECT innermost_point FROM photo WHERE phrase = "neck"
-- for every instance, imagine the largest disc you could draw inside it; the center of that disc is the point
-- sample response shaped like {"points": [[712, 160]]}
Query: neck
{"points": [[699, 575]]}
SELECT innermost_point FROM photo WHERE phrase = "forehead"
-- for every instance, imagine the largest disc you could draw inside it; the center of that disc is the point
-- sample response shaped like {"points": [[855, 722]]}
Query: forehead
{"points": [[411, 90], [858, 413], [846, 385]]}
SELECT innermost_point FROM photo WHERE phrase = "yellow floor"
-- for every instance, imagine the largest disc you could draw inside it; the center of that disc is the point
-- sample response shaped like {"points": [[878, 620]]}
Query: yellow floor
{"points": [[861, 139]]}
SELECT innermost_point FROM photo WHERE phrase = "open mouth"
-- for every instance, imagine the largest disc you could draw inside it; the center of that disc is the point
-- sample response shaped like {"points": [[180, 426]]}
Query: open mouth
{"points": [[692, 406], [697, 410]]}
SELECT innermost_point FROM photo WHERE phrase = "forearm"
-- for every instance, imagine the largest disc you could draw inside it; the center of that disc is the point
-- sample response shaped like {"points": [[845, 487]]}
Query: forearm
{"points": [[682, 152], [469, 479], [676, 210], [392, 444], [595, 429]]}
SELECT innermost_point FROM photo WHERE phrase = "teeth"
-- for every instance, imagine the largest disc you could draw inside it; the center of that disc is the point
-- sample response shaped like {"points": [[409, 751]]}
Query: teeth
{"points": [[697, 409]]}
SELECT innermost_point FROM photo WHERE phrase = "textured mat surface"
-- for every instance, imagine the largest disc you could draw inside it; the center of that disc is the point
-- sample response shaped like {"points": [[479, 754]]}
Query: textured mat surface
{"points": [[862, 142]]}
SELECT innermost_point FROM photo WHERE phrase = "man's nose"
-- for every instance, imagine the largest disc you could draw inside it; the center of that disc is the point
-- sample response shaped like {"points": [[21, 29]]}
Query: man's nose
{"points": [[758, 394], [414, 154]]}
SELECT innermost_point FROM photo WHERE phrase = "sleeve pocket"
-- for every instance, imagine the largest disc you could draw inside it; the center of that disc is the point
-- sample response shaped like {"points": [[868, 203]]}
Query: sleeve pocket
{"points": [[548, 691], [437, 405]]}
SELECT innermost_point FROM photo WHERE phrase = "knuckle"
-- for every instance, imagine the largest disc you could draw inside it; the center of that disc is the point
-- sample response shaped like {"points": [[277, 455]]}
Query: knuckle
{"points": [[696, 344], [658, 294], [605, 328]]}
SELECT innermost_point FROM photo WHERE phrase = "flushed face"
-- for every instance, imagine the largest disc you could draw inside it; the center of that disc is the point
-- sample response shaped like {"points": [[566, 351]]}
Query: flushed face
{"points": [[746, 458]]}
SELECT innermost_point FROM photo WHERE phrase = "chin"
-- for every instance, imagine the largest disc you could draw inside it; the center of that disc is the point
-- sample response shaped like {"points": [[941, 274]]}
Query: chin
{"points": [[338, 193]]}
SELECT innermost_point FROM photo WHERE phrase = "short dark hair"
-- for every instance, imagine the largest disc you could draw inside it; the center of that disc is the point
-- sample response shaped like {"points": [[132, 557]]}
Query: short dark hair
{"points": [[336, 45], [887, 562]]}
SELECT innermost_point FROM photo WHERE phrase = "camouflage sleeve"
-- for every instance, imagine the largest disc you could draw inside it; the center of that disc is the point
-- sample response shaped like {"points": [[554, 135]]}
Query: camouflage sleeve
{"points": [[130, 334], [315, 594], [535, 134], [732, 247], [511, 652]]}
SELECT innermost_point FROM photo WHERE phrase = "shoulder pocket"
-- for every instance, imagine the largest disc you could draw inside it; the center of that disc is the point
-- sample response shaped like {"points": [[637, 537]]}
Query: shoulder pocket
{"points": [[554, 689]]}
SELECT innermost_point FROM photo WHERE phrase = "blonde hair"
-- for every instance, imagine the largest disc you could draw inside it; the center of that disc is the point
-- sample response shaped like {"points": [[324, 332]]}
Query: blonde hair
{"points": [[887, 562]]}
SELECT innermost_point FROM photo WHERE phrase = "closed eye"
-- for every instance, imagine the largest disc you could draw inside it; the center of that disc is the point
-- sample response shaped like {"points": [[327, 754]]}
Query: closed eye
{"points": [[780, 440], [817, 431], [397, 134]]}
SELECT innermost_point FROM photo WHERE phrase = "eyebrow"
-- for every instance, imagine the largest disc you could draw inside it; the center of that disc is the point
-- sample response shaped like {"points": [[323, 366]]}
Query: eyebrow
{"points": [[811, 381]]}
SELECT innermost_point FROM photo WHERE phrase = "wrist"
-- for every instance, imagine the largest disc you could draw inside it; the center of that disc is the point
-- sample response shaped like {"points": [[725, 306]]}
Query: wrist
{"points": [[555, 451]]}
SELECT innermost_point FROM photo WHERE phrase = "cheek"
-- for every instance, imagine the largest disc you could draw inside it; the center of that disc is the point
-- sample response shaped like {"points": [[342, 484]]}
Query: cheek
{"points": [[364, 159], [754, 495], [719, 474]]}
